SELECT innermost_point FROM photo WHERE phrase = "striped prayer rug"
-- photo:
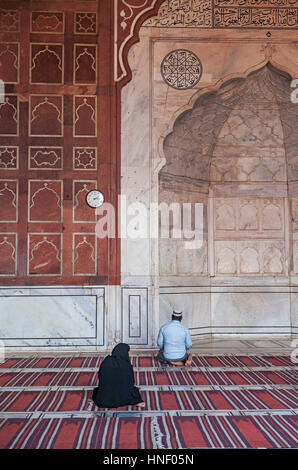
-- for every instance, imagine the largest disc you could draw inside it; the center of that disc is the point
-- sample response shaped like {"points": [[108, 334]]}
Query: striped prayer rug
{"points": [[151, 433], [80, 400], [224, 401], [155, 377], [147, 361]]}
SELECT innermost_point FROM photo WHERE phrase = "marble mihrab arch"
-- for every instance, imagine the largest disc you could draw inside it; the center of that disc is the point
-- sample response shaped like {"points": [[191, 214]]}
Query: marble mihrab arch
{"points": [[237, 146], [189, 148]]}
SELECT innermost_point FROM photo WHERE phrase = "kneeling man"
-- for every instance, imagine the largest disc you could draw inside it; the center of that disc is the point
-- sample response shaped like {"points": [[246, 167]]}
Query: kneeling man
{"points": [[174, 340]]}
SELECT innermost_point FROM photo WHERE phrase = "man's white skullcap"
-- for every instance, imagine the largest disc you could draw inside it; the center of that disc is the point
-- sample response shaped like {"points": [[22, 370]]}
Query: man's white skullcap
{"points": [[177, 314]]}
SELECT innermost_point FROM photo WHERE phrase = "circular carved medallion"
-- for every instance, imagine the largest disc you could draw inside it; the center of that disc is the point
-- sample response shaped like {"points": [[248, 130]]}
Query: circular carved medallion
{"points": [[181, 69]]}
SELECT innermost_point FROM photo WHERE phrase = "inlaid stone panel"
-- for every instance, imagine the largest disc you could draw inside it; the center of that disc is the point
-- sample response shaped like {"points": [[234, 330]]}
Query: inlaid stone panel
{"points": [[85, 116], [45, 158], [46, 115], [8, 201], [84, 254], [9, 62], [85, 23], [9, 21], [9, 115], [9, 157], [8, 254], [47, 63], [44, 254], [85, 158], [254, 216], [250, 257], [85, 70], [47, 22], [81, 211], [45, 201]]}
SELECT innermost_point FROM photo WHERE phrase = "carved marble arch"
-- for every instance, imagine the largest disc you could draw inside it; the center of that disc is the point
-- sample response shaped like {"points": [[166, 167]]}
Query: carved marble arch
{"points": [[233, 141], [223, 136]]}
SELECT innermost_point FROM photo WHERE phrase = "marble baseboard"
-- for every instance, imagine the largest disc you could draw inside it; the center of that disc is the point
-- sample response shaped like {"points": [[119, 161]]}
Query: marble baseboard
{"points": [[251, 330], [223, 310], [96, 318]]}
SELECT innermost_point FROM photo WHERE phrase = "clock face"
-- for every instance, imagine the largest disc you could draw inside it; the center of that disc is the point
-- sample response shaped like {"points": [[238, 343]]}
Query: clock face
{"points": [[95, 198]]}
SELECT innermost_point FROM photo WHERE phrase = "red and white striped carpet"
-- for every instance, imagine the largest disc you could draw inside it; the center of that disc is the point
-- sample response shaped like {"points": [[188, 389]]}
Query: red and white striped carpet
{"points": [[226, 401]]}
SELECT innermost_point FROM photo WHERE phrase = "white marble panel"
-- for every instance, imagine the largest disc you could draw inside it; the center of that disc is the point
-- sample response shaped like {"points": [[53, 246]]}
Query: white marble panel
{"points": [[135, 316], [52, 317], [256, 311], [294, 310], [135, 258], [194, 305]]}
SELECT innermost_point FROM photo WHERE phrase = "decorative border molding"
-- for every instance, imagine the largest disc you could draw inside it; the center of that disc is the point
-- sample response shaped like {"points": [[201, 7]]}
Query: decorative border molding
{"points": [[130, 15], [128, 18], [139, 318], [143, 294]]}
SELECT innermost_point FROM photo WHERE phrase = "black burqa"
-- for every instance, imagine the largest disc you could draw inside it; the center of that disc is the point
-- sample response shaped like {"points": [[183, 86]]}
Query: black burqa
{"points": [[116, 381]]}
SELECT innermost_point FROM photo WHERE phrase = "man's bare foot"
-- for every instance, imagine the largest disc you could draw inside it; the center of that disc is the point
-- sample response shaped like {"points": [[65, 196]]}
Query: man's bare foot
{"points": [[141, 405], [189, 361], [179, 364]]}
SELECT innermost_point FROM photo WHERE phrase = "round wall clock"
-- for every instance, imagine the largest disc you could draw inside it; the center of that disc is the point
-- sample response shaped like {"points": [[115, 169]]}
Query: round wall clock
{"points": [[95, 198]]}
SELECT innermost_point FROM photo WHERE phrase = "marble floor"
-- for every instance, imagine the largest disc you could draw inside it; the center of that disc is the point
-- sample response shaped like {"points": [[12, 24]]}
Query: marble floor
{"points": [[249, 345], [210, 346]]}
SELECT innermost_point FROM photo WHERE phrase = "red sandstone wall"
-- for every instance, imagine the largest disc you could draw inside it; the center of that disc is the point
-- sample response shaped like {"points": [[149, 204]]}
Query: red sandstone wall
{"points": [[55, 141]]}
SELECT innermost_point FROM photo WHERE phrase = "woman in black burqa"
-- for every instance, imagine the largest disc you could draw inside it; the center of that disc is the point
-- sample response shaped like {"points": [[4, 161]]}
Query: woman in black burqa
{"points": [[116, 381]]}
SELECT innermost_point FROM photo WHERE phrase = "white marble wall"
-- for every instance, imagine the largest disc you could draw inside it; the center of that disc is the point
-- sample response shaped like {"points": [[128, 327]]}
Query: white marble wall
{"points": [[136, 164], [250, 310], [194, 302], [194, 282]]}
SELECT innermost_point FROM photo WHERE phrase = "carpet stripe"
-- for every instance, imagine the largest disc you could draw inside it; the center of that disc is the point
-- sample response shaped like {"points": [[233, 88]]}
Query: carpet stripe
{"points": [[235, 436], [19, 437], [269, 430], [64, 400], [49, 432], [8, 431], [189, 432], [286, 426], [152, 377], [254, 436], [264, 429], [128, 434]]}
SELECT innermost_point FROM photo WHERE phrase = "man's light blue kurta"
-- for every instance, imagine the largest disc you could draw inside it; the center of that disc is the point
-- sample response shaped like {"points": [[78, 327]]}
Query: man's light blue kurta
{"points": [[174, 338]]}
